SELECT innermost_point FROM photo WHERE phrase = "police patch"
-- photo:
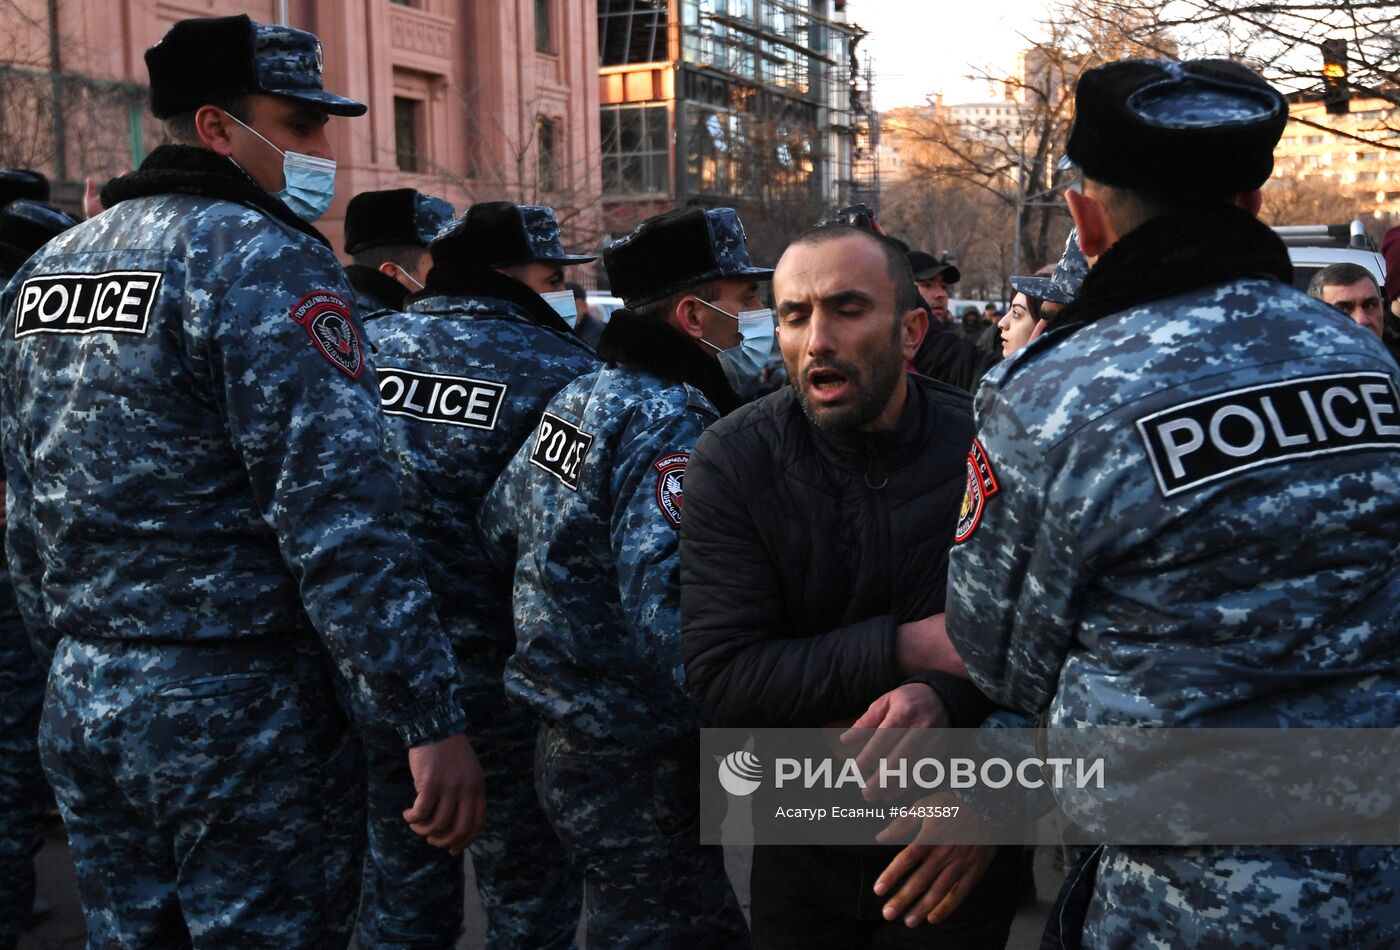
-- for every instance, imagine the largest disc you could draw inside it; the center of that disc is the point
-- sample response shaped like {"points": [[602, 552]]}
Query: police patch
{"points": [[454, 400], [560, 448], [981, 485], [670, 485], [112, 302], [1204, 440], [326, 319]]}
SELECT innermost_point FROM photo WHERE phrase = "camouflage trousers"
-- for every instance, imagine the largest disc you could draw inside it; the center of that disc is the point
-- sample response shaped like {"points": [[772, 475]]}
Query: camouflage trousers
{"points": [[1245, 898], [21, 778], [211, 793], [629, 822], [414, 893]]}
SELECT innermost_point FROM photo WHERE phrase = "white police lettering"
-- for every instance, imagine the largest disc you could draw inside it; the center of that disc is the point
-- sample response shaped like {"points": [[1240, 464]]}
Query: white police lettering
{"points": [[112, 302], [560, 448], [1208, 439], [453, 400]]}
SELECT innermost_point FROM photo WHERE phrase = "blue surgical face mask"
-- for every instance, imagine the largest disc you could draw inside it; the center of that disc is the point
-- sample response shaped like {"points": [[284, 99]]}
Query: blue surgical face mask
{"points": [[743, 363], [562, 302], [310, 181]]}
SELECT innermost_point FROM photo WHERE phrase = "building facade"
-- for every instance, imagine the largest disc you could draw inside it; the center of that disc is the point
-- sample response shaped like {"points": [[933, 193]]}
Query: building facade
{"points": [[472, 100], [1345, 152], [759, 104]]}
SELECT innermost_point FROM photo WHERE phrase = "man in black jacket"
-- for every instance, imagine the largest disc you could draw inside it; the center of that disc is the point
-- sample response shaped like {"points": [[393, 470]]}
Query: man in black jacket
{"points": [[944, 354], [814, 552]]}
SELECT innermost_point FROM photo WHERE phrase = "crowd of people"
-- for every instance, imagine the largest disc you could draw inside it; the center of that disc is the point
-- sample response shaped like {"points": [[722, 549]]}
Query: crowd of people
{"points": [[320, 575]]}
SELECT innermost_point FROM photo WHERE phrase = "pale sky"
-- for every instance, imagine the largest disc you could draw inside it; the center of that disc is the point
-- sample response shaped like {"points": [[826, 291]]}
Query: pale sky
{"points": [[925, 46]]}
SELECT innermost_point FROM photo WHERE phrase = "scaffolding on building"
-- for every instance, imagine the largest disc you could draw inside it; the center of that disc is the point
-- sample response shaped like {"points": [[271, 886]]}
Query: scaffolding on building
{"points": [[864, 185], [769, 89]]}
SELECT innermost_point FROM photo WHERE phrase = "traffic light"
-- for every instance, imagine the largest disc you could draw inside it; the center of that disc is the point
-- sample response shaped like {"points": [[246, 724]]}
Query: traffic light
{"points": [[1335, 94]]}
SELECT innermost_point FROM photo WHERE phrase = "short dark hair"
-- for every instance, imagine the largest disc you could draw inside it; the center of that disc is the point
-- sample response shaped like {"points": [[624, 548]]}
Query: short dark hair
{"points": [[1128, 208], [708, 291], [180, 128], [906, 292], [1339, 275], [407, 256]]}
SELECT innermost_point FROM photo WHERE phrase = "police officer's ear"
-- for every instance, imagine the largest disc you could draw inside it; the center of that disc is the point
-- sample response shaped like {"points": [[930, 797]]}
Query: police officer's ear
{"points": [[1091, 218], [688, 317], [1250, 201], [213, 125]]}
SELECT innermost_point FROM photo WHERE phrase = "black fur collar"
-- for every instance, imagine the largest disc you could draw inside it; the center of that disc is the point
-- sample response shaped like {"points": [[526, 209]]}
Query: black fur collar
{"points": [[1176, 253], [186, 170], [653, 345], [465, 280], [381, 288]]}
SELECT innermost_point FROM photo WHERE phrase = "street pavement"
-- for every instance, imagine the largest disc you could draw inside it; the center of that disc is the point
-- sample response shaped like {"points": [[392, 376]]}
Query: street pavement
{"points": [[63, 930]]}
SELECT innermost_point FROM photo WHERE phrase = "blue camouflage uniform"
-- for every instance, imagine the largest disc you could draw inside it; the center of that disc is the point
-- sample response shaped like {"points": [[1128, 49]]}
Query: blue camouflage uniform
{"points": [[21, 778], [1115, 572], [202, 523], [1183, 510], [587, 513], [24, 226], [463, 378]]}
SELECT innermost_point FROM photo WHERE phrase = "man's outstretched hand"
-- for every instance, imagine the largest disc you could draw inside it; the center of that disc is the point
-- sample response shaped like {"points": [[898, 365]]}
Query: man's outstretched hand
{"points": [[451, 802], [928, 881]]}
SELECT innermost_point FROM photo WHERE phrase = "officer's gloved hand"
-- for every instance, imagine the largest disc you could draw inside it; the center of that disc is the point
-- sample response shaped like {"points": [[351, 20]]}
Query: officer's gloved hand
{"points": [[451, 800]]}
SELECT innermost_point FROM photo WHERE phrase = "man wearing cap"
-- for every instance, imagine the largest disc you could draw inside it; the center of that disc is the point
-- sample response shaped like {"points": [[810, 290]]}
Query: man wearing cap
{"points": [[944, 354], [202, 520], [387, 235], [586, 515], [1189, 515], [933, 277], [27, 222], [464, 373]]}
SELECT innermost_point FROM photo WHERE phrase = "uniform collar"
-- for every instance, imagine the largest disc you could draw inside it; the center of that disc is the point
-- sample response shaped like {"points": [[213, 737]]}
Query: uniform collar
{"points": [[1173, 254], [187, 170], [467, 280], [654, 346], [381, 288]]}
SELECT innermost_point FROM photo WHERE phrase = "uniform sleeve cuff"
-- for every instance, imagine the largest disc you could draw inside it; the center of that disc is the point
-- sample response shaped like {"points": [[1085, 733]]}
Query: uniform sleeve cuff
{"points": [[966, 704], [433, 724]]}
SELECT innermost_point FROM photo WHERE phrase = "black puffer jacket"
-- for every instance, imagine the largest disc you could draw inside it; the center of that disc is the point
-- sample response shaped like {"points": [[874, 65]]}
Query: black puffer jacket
{"points": [[802, 551], [948, 358]]}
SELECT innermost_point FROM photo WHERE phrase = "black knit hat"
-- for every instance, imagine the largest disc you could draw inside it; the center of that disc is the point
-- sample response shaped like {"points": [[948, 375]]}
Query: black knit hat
{"points": [[676, 250], [22, 183], [1205, 127], [395, 216], [501, 234], [210, 59]]}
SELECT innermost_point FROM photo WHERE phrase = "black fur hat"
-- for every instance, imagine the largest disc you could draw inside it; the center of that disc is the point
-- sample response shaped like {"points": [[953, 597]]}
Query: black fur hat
{"points": [[22, 183], [394, 216], [501, 234], [676, 250], [1205, 127], [28, 225], [209, 59]]}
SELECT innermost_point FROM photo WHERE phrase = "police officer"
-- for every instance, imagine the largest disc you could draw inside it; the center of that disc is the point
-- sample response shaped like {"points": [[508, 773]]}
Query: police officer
{"points": [[1160, 532], [202, 520], [25, 226], [464, 374], [587, 513], [387, 235]]}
